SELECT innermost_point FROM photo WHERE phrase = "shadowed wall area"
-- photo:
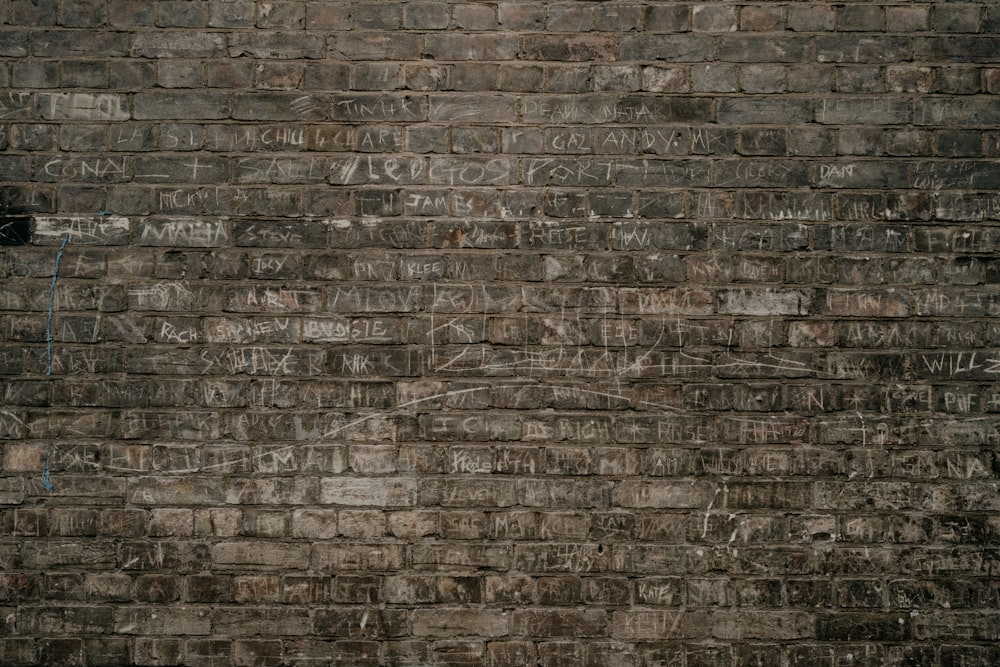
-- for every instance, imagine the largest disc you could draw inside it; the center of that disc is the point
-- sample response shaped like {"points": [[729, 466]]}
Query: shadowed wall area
{"points": [[555, 334]]}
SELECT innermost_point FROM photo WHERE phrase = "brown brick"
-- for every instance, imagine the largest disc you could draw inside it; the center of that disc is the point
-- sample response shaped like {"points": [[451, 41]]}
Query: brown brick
{"points": [[451, 623], [497, 334]]}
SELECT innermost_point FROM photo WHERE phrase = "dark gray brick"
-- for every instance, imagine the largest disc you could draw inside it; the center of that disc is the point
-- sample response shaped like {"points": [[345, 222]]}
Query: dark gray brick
{"points": [[179, 44], [180, 105], [682, 311], [273, 45]]}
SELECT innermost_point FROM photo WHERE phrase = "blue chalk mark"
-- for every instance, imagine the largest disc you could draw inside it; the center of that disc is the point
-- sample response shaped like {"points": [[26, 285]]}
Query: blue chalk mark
{"points": [[46, 482], [52, 299]]}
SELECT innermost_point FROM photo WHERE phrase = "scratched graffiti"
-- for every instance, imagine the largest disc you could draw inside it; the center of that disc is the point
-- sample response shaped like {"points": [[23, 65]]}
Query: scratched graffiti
{"points": [[499, 334]]}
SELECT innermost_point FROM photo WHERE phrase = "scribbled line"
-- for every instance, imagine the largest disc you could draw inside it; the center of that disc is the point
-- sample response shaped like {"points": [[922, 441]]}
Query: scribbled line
{"points": [[46, 482], [52, 300], [468, 390], [416, 401]]}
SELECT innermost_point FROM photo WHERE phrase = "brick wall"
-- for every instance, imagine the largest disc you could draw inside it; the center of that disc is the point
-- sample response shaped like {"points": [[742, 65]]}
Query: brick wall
{"points": [[500, 334]]}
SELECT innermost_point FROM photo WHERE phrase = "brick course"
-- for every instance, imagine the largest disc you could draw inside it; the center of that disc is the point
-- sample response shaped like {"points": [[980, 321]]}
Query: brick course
{"points": [[462, 333]]}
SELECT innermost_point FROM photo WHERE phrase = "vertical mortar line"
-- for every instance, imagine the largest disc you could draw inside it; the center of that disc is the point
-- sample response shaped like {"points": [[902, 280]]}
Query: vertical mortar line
{"points": [[52, 299]]}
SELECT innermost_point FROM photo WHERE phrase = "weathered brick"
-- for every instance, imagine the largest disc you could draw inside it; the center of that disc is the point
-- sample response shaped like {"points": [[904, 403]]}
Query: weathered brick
{"points": [[373, 46], [179, 44], [678, 48], [363, 492], [649, 625], [276, 45], [971, 112], [614, 290], [278, 106], [763, 110], [82, 106], [67, 43], [709, 18], [337, 558], [753, 48], [764, 302], [569, 48], [181, 14], [264, 621], [156, 620], [445, 623], [248, 554], [180, 105], [560, 623], [257, 652]]}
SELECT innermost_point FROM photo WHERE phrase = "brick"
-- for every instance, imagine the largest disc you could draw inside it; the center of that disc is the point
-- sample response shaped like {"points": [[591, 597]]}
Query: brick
{"points": [[130, 13], [619, 18], [474, 77], [182, 14], [179, 44], [664, 80], [641, 108], [764, 19], [709, 18], [263, 621], [278, 106], [667, 18], [87, 74], [140, 620], [764, 302], [336, 558], [752, 48], [958, 81], [972, 112], [25, 13], [372, 46], [516, 16], [321, 15], [426, 16], [62, 650], [361, 492], [35, 75], [649, 624], [569, 49], [378, 108], [907, 18], [682, 48], [32, 137], [481, 108], [862, 626], [563, 18], [451, 47], [445, 623], [763, 110], [861, 110], [285, 15], [560, 623], [257, 652], [275, 45], [954, 49], [567, 78], [82, 106], [67, 43], [861, 18], [242, 554], [867, 50], [662, 173], [180, 106], [506, 317]]}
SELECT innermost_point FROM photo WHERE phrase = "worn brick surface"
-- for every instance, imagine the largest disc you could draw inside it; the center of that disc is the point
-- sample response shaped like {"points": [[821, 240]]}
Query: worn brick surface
{"points": [[499, 334]]}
